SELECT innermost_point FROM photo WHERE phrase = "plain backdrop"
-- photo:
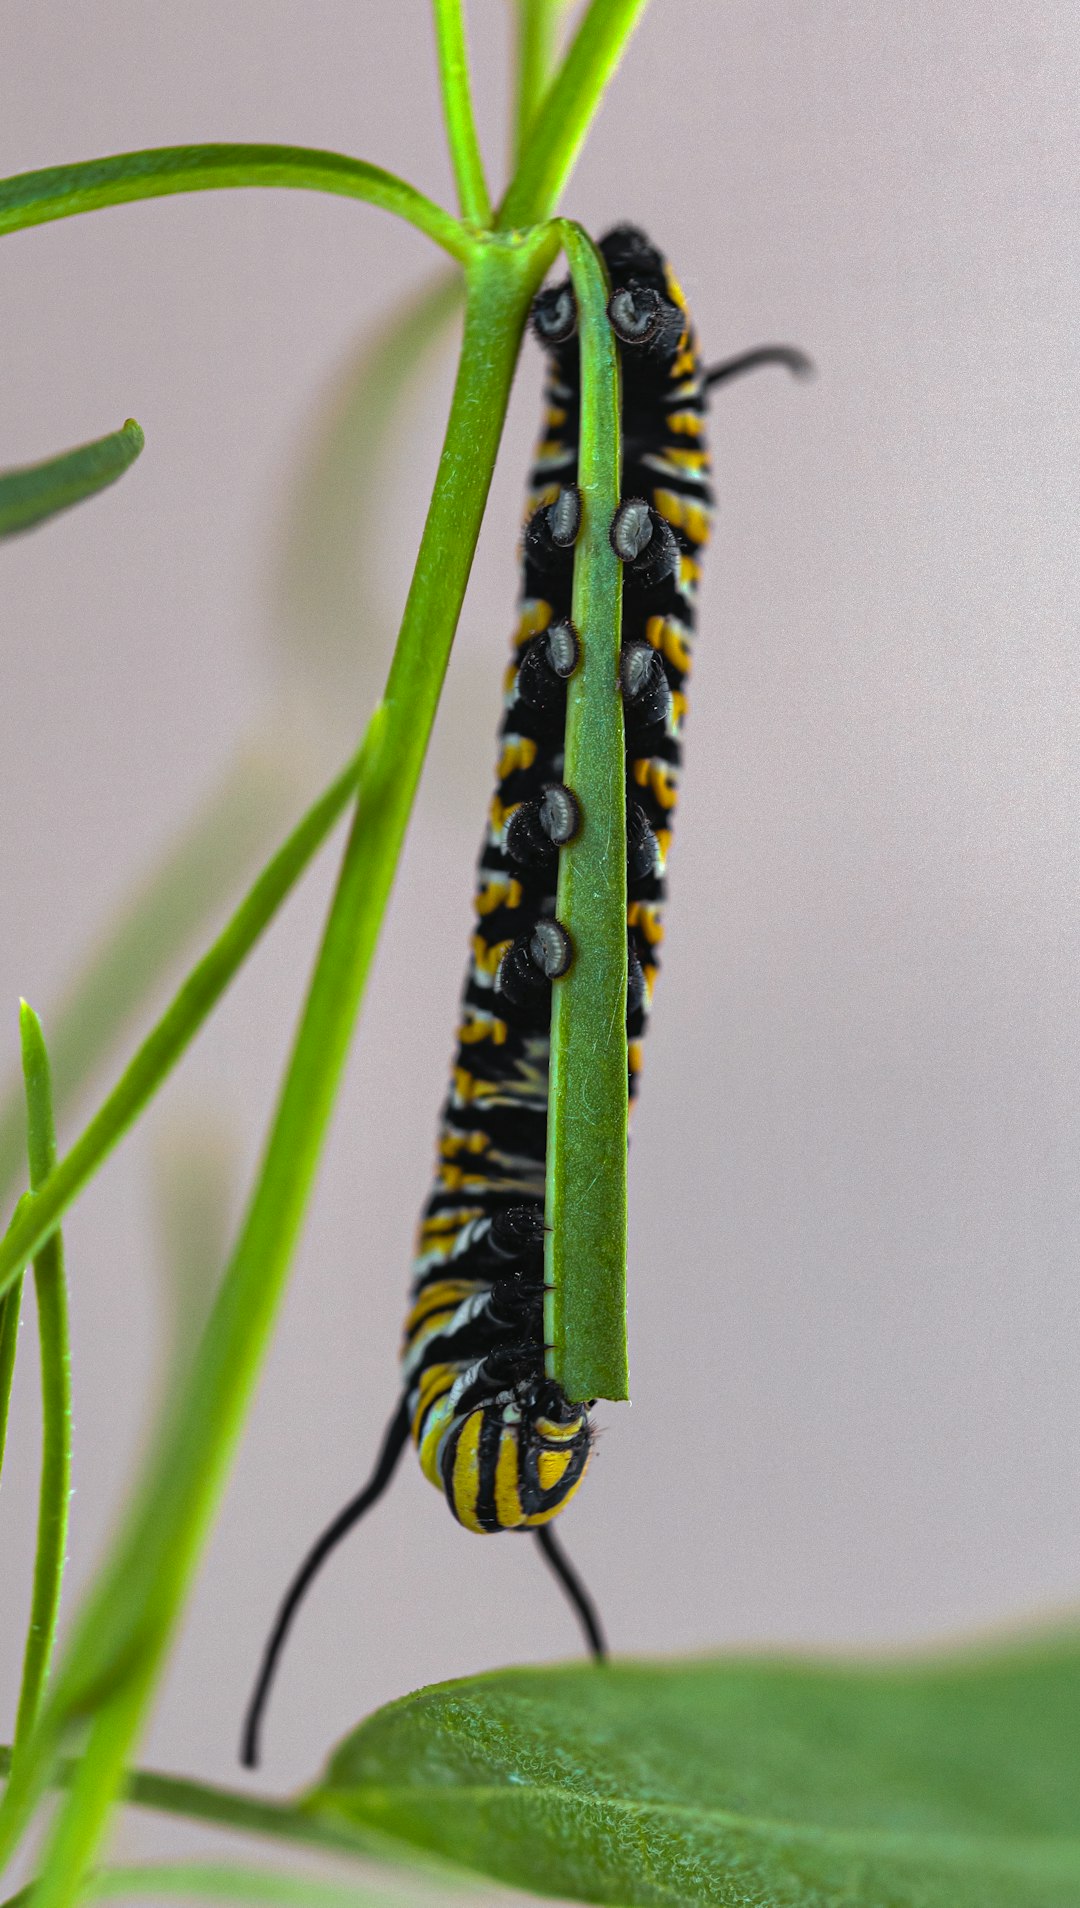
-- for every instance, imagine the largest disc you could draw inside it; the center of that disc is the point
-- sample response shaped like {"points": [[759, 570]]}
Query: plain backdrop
{"points": [[854, 1193]]}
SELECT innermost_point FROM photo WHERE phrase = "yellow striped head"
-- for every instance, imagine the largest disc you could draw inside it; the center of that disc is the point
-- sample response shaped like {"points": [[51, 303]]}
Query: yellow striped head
{"points": [[505, 1465]]}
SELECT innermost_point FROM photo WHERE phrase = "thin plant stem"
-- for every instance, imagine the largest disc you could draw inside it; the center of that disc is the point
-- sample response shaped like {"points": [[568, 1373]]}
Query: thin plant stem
{"points": [[78, 1825], [559, 128], [124, 1628], [57, 192], [37, 1216], [36, 491], [50, 1288], [585, 1295], [537, 25], [465, 155], [237, 1809], [10, 1313]]}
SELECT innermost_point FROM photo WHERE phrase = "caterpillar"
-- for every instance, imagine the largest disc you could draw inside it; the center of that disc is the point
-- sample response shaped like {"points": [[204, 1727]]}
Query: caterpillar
{"points": [[493, 1431]]}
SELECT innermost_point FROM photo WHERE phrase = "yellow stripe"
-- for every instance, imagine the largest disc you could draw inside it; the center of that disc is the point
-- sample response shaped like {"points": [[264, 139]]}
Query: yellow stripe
{"points": [[508, 1507], [551, 1468], [671, 640], [487, 956], [465, 1483], [498, 893], [683, 514], [558, 1433], [535, 616], [439, 1295], [656, 776], [686, 459], [646, 916], [545, 1516], [518, 754], [479, 1027]]}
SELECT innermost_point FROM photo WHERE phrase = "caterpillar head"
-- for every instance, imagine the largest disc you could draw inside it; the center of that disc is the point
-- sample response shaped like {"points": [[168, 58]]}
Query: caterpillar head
{"points": [[513, 1461]]}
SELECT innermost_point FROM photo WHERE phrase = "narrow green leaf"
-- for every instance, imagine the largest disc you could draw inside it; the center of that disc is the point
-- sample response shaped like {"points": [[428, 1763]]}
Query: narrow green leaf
{"points": [[37, 1216], [585, 1298], [58, 192], [466, 157], [50, 1287], [121, 1634], [560, 127], [537, 28], [37, 491], [10, 1313], [154, 929], [951, 1782], [237, 1809]]}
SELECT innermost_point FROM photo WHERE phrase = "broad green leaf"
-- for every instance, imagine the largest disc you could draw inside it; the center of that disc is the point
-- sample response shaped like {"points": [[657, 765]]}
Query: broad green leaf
{"points": [[945, 1782], [37, 491]]}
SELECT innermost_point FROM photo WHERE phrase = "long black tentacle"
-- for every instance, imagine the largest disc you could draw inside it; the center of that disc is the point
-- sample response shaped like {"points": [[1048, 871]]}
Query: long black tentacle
{"points": [[392, 1446], [793, 360], [584, 1607]]}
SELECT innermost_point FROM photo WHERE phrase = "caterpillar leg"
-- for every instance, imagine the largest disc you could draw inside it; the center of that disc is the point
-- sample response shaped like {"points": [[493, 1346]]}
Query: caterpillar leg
{"points": [[576, 1594], [393, 1444]]}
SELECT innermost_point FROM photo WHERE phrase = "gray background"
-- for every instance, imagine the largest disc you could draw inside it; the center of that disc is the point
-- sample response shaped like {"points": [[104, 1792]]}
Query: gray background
{"points": [[854, 1213]]}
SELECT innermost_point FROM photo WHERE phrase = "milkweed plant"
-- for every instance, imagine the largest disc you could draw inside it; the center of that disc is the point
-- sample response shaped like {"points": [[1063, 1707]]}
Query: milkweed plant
{"points": [[946, 1785]]}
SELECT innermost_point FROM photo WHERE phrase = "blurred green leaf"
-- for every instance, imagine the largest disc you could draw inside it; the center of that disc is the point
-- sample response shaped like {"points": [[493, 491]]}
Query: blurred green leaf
{"points": [[50, 1285], [37, 491], [225, 1881], [334, 625], [951, 1782], [195, 1176], [155, 926]]}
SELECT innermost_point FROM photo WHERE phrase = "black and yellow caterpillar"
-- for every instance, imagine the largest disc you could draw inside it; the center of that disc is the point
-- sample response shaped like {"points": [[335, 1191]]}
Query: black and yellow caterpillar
{"points": [[493, 1431]]}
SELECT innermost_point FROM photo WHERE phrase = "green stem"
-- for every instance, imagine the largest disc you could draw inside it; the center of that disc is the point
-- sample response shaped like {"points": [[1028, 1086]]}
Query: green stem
{"points": [[124, 1628], [10, 1310], [473, 196], [32, 198], [236, 828], [37, 1215], [230, 1808], [37, 491], [585, 1322], [537, 22], [227, 1881], [51, 1292], [78, 1825], [560, 126]]}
